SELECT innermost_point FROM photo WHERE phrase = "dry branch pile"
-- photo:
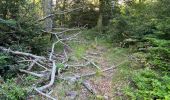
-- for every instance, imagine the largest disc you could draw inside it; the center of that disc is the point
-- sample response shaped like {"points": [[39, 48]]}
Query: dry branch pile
{"points": [[48, 64], [49, 68]]}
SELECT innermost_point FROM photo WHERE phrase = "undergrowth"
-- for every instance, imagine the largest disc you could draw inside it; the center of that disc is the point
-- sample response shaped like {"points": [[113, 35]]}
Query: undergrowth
{"points": [[10, 90], [148, 84]]}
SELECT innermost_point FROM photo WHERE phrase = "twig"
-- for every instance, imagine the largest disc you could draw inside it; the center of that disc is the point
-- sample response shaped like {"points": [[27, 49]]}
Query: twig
{"points": [[32, 73], [105, 70], [91, 74], [46, 95], [92, 63], [62, 12], [24, 61], [59, 28], [42, 66], [32, 64], [72, 37]]}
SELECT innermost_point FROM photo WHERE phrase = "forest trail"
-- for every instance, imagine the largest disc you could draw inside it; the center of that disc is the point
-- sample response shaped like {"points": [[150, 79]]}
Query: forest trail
{"points": [[93, 57]]}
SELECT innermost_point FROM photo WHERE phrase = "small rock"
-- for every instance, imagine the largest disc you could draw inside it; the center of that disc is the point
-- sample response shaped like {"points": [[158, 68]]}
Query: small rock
{"points": [[72, 95]]}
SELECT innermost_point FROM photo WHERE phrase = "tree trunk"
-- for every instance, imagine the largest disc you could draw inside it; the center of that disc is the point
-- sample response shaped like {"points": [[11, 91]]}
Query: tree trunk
{"points": [[100, 18], [47, 10], [100, 23], [105, 11], [63, 15]]}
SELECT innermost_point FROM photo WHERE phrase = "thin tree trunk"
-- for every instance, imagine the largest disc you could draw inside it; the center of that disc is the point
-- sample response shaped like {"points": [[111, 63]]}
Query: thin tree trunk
{"points": [[47, 10], [100, 23], [63, 16], [100, 18]]}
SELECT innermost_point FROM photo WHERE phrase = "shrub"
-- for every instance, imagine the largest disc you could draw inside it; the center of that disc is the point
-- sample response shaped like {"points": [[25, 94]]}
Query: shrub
{"points": [[158, 53], [11, 91], [148, 84]]}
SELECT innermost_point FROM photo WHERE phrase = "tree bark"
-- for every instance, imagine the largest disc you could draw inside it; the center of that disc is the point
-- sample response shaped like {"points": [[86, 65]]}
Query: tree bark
{"points": [[47, 10], [105, 11]]}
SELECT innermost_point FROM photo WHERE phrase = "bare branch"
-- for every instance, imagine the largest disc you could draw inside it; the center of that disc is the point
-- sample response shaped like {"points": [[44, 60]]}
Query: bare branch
{"points": [[24, 61], [105, 70], [52, 78], [52, 50], [91, 62], [68, 29], [21, 53], [66, 57], [46, 95], [59, 13], [32, 73], [87, 85], [76, 77], [42, 66], [32, 64]]}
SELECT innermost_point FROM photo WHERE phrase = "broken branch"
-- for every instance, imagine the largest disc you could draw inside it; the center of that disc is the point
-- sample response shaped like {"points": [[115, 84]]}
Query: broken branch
{"points": [[52, 78], [32, 73], [21, 53], [43, 94]]}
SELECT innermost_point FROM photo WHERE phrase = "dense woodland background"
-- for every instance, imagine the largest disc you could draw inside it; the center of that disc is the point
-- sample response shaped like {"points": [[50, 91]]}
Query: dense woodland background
{"points": [[141, 26]]}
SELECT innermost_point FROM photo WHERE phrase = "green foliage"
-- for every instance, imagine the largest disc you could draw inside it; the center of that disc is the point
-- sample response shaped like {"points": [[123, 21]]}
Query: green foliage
{"points": [[148, 84], [20, 31], [159, 53], [10, 9], [28, 81], [60, 65], [141, 21], [84, 17], [8, 63], [40, 44], [18, 26], [87, 16], [6, 68], [3, 59], [79, 50], [105, 9], [11, 91], [148, 22]]}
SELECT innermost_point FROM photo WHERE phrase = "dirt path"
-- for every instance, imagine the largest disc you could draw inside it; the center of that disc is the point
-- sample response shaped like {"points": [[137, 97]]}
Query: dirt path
{"points": [[102, 84]]}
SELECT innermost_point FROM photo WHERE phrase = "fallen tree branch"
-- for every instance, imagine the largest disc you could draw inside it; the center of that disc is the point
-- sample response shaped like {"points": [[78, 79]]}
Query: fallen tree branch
{"points": [[91, 62], [32, 64], [77, 77], [24, 61], [59, 28], [32, 73], [89, 87], [105, 70], [21, 53], [43, 94], [52, 50], [43, 62], [53, 72], [42, 66]]}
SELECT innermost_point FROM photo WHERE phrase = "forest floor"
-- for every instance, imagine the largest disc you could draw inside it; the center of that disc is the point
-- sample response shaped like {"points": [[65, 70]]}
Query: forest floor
{"points": [[106, 85]]}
